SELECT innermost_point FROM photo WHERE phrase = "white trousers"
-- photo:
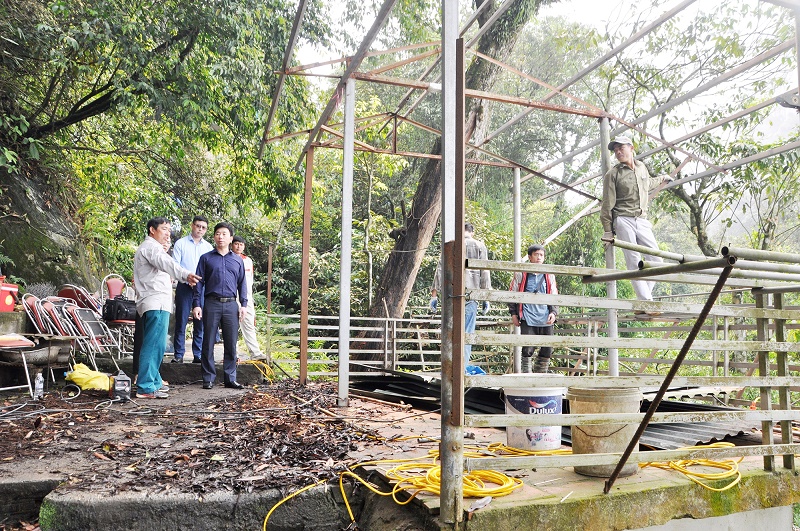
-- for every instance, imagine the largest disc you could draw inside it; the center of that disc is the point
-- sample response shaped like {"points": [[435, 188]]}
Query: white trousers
{"points": [[640, 232], [248, 328]]}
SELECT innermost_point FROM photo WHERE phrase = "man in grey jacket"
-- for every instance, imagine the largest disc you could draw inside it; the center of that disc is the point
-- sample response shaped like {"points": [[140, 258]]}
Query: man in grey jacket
{"points": [[473, 279], [153, 271]]}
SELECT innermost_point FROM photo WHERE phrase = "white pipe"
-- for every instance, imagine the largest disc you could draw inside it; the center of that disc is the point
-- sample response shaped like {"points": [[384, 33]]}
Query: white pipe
{"points": [[345, 265], [517, 358]]}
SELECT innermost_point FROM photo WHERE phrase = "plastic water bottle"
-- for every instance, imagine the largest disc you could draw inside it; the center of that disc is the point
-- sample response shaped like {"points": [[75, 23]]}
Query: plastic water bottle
{"points": [[38, 390]]}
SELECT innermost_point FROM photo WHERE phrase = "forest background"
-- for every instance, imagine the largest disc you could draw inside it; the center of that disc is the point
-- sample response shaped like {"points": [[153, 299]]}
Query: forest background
{"points": [[114, 112]]}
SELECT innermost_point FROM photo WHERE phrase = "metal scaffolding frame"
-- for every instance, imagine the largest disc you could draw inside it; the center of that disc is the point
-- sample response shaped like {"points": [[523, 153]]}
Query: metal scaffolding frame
{"points": [[451, 507]]}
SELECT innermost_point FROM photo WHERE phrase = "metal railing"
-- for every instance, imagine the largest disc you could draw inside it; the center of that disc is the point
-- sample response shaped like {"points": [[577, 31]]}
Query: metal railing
{"points": [[413, 343], [765, 366], [741, 346]]}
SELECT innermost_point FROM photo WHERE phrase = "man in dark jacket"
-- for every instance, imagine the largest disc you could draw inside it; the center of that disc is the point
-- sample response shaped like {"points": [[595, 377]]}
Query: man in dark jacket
{"points": [[223, 282]]}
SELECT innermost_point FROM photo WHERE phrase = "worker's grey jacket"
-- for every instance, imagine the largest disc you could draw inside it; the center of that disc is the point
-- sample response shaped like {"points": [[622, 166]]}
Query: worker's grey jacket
{"points": [[625, 193], [473, 278]]}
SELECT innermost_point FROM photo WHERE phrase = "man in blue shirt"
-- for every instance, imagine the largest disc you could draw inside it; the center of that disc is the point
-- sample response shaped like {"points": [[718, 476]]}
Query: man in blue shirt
{"points": [[534, 319], [215, 303], [187, 252]]}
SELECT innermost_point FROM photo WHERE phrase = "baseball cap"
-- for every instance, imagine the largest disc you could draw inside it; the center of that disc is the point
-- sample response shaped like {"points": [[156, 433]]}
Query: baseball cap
{"points": [[619, 139]]}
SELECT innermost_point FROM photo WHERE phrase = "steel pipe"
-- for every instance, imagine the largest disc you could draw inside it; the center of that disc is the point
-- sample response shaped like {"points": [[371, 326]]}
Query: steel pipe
{"points": [[622, 244], [755, 61], [611, 286], [593, 66], [673, 371], [756, 254], [746, 272], [777, 289], [737, 163], [748, 265], [655, 271]]}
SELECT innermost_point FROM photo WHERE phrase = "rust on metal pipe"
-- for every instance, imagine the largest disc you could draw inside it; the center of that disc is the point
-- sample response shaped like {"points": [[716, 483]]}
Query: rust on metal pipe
{"points": [[698, 325]]}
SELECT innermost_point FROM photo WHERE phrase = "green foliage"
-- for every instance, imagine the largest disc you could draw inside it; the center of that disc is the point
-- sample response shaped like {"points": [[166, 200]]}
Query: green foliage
{"points": [[4, 260], [155, 108], [763, 195]]}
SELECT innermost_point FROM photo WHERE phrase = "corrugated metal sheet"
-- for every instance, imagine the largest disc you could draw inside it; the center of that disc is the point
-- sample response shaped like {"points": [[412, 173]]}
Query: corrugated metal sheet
{"points": [[424, 393]]}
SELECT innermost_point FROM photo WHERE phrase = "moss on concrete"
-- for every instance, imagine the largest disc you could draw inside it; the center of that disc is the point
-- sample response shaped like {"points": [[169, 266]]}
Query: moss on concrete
{"points": [[642, 505], [47, 515]]}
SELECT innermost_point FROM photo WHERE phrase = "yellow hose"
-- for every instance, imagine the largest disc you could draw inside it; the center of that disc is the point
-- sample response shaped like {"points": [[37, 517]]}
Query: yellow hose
{"points": [[423, 474], [730, 467]]}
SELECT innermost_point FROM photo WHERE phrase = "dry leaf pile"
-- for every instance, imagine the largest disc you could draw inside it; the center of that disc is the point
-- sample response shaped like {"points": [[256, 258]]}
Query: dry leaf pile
{"points": [[281, 436]]}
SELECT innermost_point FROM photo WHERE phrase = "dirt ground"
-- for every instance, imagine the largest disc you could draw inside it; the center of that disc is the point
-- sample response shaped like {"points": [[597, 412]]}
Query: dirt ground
{"points": [[278, 435]]}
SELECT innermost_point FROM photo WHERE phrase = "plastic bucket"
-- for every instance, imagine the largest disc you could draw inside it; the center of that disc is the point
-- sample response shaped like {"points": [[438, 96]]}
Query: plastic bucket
{"points": [[546, 400], [603, 438]]}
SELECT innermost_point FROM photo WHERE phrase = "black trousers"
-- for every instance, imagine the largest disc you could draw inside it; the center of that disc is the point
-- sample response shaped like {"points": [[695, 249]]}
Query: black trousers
{"points": [[544, 352], [218, 314]]}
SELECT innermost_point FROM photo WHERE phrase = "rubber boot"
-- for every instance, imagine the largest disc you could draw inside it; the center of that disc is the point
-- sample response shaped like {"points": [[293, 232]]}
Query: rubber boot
{"points": [[525, 365], [541, 364]]}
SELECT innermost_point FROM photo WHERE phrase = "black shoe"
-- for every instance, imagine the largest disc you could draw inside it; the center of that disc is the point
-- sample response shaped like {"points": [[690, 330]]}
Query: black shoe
{"points": [[208, 385], [196, 360], [234, 385], [176, 360]]}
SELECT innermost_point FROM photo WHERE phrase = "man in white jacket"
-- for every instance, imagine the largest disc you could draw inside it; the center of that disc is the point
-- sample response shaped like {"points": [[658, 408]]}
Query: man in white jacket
{"points": [[153, 271], [248, 324]]}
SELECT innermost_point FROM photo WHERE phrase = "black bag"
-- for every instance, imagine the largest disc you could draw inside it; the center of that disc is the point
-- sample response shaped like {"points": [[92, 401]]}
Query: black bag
{"points": [[119, 309]]}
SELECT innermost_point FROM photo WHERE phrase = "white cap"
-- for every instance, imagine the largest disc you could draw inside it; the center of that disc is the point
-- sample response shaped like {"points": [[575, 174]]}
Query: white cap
{"points": [[619, 139]]}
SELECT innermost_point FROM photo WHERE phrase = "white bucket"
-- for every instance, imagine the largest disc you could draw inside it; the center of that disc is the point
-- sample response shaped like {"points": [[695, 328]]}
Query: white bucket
{"points": [[546, 400]]}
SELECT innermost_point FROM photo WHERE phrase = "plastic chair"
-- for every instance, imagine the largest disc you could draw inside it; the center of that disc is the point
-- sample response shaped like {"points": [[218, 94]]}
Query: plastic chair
{"points": [[81, 296], [31, 304], [112, 286], [49, 320]]}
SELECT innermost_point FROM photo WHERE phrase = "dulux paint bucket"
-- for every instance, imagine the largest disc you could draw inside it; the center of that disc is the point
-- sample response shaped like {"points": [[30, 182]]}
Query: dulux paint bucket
{"points": [[539, 401]]}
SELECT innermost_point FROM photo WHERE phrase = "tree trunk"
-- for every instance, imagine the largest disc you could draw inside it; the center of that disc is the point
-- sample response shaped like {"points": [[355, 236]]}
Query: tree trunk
{"points": [[403, 263], [696, 221]]}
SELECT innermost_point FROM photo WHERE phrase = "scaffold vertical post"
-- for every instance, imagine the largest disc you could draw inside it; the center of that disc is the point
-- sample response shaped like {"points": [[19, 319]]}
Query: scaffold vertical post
{"points": [[611, 287], [516, 360], [784, 396], [762, 359]]}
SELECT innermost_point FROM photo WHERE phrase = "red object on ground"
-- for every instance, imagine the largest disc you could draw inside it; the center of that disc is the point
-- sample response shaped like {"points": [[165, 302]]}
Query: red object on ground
{"points": [[8, 295]]}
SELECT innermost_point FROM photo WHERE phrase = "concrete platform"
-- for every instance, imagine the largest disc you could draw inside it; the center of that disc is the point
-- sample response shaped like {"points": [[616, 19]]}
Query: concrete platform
{"points": [[561, 499], [551, 499]]}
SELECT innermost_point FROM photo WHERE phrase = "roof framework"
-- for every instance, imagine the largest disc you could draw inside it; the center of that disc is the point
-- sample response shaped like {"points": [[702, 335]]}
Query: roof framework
{"points": [[423, 86], [452, 380], [486, 157]]}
